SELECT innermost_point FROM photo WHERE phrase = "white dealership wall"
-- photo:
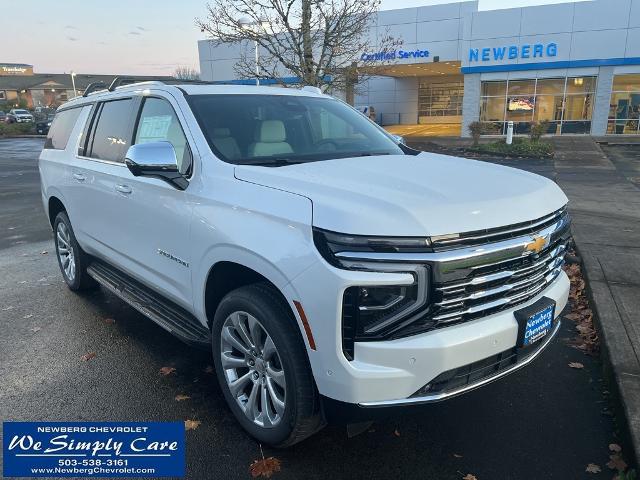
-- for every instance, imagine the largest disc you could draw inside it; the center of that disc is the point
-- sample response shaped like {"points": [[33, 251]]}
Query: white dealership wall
{"points": [[600, 37]]}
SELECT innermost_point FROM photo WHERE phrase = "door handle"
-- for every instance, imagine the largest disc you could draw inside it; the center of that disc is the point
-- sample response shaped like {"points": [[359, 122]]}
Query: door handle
{"points": [[125, 189], [79, 177]]}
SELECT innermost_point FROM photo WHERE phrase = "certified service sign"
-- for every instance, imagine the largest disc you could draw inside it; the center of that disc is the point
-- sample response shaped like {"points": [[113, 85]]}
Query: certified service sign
{"points": [[86, 449]]}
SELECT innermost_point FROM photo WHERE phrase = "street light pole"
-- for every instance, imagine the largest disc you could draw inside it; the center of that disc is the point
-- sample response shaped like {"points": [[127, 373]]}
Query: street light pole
{"points": [[257, 65], [247, 24], [73, 82]]}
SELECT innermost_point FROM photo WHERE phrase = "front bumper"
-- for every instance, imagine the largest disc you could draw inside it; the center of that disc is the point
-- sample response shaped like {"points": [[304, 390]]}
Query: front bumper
{"points": [[388, 373]]}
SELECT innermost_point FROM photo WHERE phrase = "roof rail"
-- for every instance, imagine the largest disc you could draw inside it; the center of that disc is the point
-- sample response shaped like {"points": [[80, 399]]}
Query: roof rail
{"points": [[122, 81], [93, 87]]}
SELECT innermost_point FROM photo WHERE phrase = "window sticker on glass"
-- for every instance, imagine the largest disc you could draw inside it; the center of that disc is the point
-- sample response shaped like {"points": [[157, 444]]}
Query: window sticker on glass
{"points": [[154, 129]]}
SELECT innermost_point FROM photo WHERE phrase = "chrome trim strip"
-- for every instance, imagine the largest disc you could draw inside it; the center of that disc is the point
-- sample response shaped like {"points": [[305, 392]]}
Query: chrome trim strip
{"points": [[487, 236], [443, 396], [517, 246]]}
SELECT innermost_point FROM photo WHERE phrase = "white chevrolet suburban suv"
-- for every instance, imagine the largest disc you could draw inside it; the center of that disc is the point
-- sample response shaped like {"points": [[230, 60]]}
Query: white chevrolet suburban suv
{"points": [[327, 266]]}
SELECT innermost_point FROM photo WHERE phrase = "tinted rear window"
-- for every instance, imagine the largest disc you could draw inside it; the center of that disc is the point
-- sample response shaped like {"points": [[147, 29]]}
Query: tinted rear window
{"points": [[110, 138], [61, 128]]}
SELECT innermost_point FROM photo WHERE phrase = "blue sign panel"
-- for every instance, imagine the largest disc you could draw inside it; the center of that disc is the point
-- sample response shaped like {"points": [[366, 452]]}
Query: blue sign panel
{"points": [[394, 55], [513, 52], [94, 449]]}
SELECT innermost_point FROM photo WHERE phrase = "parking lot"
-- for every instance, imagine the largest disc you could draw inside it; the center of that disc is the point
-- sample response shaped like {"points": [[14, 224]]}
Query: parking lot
{"points": [[547, 421]]}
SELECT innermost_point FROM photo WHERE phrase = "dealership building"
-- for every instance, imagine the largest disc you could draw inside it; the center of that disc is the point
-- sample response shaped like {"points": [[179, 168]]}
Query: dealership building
{"points": [[575, 65]]}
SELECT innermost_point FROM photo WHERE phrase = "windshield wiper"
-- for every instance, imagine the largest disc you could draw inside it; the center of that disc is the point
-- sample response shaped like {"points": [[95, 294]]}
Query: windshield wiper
{"points": [[273, 162]]}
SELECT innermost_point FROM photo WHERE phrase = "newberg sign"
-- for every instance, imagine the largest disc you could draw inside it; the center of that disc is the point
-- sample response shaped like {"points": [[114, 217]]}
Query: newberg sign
{"points": [[513, 52]]}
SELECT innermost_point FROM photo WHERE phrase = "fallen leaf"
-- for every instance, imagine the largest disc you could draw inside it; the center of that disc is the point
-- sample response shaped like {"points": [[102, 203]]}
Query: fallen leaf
{"points": [[167, 371], [468, 476], [396, 432], [614, 447], [44, 252], [265, 467], [180, 398], [88, 356], [109, 321], [576, 365], [617, 463], [37, 329], [208, 369], [593, 468], [28, 316], [191, 424], [457, 455]]}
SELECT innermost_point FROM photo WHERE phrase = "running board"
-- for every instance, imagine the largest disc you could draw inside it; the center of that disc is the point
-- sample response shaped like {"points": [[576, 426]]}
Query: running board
{"points": [[168, 315]]}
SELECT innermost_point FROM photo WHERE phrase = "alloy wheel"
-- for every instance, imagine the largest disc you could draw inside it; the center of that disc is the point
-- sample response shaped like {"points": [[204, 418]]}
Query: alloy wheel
{"points": [[253, 370], [65, 251]]}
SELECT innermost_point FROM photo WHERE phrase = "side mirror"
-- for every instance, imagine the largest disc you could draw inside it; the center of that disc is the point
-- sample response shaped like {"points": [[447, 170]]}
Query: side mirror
{"points": [[155, 159], [399, 139]]}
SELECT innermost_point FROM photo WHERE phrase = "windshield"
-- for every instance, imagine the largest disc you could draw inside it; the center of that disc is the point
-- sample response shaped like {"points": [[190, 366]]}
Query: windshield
{"points": [[275, 130], [21, 112]]}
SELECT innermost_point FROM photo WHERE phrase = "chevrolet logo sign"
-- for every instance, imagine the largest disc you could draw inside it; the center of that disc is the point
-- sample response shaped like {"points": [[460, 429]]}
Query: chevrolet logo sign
{"points": [[536, 245]]}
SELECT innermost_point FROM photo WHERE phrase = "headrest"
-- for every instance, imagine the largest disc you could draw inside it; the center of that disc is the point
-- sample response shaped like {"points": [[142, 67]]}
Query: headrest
{"points": [[271, 131], [221, 132]]}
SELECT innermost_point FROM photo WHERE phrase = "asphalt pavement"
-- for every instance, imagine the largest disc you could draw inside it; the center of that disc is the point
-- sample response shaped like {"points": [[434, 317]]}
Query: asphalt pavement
{"points": [[547, 421]]}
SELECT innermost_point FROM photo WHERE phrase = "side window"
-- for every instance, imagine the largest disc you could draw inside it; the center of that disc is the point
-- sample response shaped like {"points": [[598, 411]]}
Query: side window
{"points": [[158, 122], [110, 136], [61, 128]]}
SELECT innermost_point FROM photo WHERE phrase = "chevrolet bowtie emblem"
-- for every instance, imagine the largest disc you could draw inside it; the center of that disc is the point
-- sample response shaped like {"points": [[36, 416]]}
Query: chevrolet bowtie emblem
{"points": [[536, 245]]}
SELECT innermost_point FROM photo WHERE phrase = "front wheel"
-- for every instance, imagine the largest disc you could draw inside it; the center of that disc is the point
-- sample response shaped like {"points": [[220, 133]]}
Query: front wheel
{"points": [[262, 366]]}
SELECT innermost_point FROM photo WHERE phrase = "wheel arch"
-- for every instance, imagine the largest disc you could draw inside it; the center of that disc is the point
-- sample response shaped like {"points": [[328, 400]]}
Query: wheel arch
{"points": [[54, 207]]}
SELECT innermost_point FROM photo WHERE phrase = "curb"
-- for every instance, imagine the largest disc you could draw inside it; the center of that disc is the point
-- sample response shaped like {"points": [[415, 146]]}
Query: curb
{"points": [[621, 367]]}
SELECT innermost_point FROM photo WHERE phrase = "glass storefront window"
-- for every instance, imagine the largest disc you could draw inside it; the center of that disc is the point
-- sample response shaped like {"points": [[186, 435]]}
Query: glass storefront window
{"points": [[581, 85], [492, 109], [521, 87], [494, 89], [550, 86], [566, 103], [624, 107]]}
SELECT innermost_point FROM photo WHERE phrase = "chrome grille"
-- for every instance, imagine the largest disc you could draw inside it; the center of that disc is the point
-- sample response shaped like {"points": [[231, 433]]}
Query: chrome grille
{"points": [[499, 285]]}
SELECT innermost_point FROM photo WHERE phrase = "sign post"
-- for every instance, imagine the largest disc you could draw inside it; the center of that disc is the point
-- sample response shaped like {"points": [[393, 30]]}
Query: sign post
{"points": [[509, 133]]}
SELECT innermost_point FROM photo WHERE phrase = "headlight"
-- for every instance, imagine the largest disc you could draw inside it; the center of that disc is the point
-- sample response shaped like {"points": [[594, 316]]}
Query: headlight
{"points": [[330, 243], [48, 124]]}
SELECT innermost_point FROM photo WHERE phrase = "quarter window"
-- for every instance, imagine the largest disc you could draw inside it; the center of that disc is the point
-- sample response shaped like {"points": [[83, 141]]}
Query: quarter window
{"points": [[159, 123], [61, 129], [111, 133]]}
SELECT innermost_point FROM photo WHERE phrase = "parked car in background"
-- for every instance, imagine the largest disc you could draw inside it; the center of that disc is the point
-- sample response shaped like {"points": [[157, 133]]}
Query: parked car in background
{"points": [[20, 115], [42, 126]]}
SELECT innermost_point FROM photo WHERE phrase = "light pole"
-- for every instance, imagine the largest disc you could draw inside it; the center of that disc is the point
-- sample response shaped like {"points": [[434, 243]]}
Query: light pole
{"points": [[73, 82], [247, 24]]}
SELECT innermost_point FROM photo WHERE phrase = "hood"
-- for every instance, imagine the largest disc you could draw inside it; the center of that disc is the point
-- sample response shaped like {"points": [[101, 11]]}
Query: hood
{"points": [[404, 195]]}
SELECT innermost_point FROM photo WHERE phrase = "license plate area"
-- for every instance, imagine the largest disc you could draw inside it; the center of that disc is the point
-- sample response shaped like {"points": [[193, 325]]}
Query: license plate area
{"points": [[535, 322]]}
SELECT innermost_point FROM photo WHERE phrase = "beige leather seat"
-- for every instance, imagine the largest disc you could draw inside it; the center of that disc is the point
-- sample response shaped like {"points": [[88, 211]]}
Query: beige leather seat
{"points": [[270, 139], [225, 143]]}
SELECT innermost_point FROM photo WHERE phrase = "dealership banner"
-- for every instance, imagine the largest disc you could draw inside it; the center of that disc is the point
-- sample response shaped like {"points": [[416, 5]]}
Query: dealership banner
{"points": [[93, 449]]}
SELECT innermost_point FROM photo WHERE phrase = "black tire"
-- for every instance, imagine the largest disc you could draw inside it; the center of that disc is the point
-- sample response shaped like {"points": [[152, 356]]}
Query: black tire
{"points": [[301, 417], [79, 279]]}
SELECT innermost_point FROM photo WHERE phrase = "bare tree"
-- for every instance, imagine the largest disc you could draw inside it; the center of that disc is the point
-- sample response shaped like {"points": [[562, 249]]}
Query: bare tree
{"points": [[319, 41], [186, 73]]}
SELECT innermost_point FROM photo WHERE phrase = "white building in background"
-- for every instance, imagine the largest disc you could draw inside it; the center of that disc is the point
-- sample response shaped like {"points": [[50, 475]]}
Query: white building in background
{"points": [[576, 65]]}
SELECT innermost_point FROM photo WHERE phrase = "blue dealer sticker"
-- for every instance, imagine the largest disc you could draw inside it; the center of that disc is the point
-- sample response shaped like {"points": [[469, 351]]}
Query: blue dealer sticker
{"points": [[93, 449]]}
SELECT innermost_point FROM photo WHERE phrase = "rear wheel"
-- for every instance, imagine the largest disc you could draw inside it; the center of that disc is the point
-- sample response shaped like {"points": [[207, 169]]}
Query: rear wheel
{"points": [[71, 259], [262, 367]]}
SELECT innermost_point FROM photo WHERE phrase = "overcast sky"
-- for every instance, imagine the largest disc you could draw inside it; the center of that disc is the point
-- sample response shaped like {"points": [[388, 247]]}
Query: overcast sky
{"points": [[147, 37]]}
